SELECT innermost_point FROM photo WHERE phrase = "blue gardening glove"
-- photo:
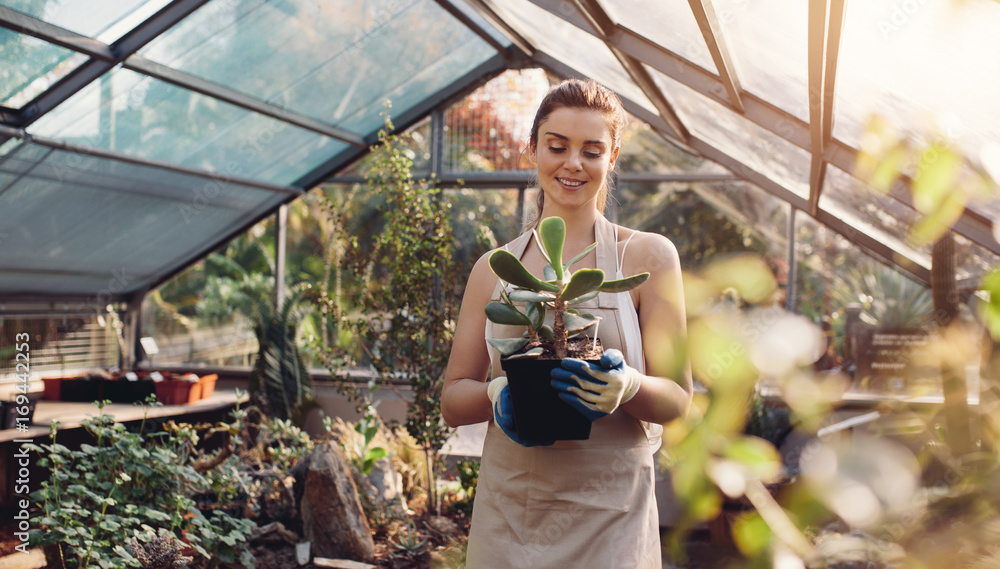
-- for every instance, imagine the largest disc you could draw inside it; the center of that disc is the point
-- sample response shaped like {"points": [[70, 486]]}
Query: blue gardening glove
{"points": [[596, 390], [503, 412]]}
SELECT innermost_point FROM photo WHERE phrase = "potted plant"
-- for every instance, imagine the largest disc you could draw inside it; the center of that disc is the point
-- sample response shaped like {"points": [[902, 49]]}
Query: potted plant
{"points": [[85, 388], [180, 390], [539, 414], [128, 387]]}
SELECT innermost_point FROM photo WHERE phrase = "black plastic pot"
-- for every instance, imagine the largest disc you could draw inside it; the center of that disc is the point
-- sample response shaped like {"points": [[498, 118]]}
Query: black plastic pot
{"points": [[81, 389], [124, 391], [539, 414]]}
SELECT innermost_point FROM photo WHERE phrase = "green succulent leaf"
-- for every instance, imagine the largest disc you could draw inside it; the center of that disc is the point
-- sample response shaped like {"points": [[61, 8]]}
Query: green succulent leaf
{"points": [[536, 313], [507, 346], [500, 313], [586, 297], [546, 333], [509, 268], [622, 285], [580, 256], [552, 232], [532, 353], [576, 323], [549, 274], [582, 282], [522, 295]]}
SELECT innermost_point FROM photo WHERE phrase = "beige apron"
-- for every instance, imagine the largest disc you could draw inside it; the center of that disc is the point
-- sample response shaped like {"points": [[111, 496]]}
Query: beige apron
{"points": [[575, 504]]}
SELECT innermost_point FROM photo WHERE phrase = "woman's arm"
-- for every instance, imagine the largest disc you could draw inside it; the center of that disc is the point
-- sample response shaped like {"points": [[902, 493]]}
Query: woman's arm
{"points": [[665, 390], [463, 398]]}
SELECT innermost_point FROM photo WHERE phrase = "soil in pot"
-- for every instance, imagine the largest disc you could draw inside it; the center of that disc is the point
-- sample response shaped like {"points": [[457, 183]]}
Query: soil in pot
{"points": [[539, 414]]}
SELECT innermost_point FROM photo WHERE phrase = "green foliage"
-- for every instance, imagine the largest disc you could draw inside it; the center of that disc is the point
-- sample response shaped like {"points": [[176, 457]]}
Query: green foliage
{"points": [[123, 486], [468, 480], [409, 540], [559, 291], [364, 454], [249, 472], [284, 443], [767, 422], [279, 381], [408, 298], [991, 311], [888, 299]]}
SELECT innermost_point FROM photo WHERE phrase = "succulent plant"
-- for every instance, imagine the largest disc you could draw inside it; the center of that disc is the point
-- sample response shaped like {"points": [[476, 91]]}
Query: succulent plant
{"points": [[557, 292]]}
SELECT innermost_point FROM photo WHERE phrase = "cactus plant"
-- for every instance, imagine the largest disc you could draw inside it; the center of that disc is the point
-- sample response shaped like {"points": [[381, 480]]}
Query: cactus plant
{"points": [[559, 290]]}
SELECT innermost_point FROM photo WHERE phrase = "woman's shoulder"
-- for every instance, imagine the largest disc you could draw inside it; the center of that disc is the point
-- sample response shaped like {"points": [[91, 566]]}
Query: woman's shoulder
{"points": [[646, 242]]}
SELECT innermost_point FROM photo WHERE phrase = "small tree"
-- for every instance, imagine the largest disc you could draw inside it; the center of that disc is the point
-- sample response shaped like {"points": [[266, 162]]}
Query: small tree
{"points": [[408, 298]]}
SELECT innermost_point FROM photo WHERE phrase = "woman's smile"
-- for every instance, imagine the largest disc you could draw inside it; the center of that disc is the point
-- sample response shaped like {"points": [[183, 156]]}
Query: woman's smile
{"points": [[571, 182]]}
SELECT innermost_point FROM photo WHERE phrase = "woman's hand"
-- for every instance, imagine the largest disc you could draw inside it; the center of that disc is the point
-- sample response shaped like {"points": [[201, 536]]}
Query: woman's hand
{"points": [[596, 390]]}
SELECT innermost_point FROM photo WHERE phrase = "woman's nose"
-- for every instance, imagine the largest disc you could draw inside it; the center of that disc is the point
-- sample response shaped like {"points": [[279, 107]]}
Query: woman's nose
{"points": [[573, 161]]}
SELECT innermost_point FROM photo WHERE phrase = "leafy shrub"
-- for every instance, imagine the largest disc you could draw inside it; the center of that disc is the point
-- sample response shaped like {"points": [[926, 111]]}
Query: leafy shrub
{"points": [[468, 479], [126, 485]]}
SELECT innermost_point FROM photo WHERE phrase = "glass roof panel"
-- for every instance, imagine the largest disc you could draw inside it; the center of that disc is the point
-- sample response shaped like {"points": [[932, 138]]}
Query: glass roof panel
{"points": [[647, 17], [901, 248], [644, 151], [932, 69], [706, 219], [870, 209], [479, 20], [890, 221], [768, 41], [156, 120], [333, 61], [30, 67], [68, 215], [43, 163], [974, 260], [104, 21], [758, 148], [571, 45]]}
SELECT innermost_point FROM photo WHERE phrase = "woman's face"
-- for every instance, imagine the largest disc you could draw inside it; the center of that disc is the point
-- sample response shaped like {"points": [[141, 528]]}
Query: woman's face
{"points": [[574, 154]]}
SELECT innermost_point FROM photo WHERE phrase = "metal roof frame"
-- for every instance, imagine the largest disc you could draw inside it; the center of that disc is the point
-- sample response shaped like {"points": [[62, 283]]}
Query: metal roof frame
{"points": [[633, 52], [766, 115], [121, 50]]}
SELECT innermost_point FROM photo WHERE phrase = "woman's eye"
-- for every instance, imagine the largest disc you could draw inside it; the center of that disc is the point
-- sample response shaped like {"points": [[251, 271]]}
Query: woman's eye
{"points": [[556, 149], [592, 154]]}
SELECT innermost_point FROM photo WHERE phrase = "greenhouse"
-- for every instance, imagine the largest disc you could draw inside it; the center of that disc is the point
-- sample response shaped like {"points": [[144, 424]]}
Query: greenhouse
{"points": [[243, 230]]}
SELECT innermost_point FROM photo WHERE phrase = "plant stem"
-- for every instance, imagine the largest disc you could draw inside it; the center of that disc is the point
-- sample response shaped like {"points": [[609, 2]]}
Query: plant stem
{"points": [[559, 328], [431, 481], [93, 536]]}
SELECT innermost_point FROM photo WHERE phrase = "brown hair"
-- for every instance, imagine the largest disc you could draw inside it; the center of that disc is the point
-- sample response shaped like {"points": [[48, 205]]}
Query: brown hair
{"points": [[581, 94]]}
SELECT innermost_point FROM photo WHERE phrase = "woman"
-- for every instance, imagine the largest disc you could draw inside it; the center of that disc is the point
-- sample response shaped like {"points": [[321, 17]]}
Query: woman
{"points": [[576, 503]]}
